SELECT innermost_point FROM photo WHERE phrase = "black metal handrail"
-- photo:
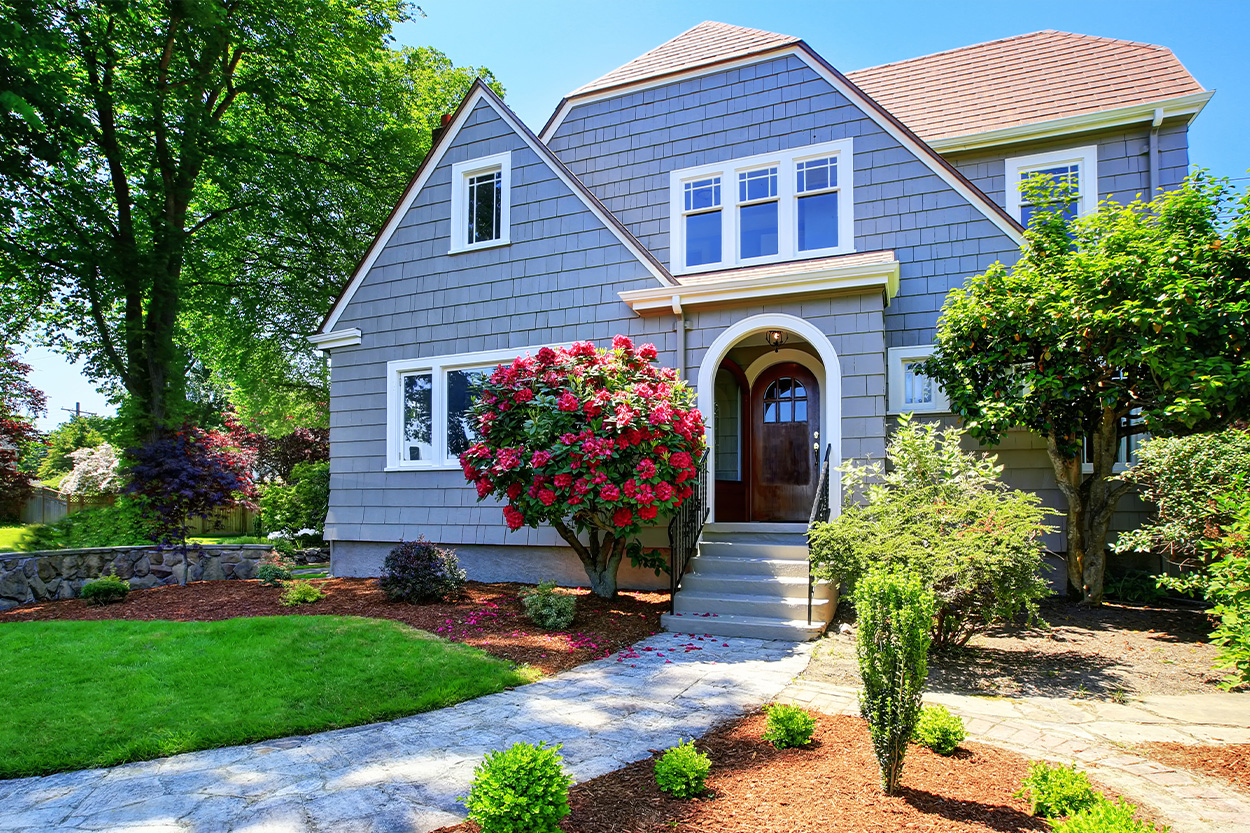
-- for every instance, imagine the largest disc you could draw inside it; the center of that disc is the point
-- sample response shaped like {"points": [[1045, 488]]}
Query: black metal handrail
{"points": [[684, 530], [820, 512]]}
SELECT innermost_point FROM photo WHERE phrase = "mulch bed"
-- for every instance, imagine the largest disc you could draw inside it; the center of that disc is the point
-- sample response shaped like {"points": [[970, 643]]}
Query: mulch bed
{"points": [[1230, 762], [833, 785], [488, 616]]}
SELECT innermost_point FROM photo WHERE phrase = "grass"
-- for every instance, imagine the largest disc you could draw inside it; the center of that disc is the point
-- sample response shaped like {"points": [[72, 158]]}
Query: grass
{"points": [[87, 694], [9, 536], [227, 540]]}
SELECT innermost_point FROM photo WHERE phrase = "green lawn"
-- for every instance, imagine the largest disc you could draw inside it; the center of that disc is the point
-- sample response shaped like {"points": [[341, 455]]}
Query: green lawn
{"points": [[9, 536], [84, 694]]}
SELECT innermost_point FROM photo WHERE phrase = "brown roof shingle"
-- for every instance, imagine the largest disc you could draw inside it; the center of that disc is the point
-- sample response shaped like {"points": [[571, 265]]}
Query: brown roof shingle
{"points": [[1023, 80], [708, 43]]}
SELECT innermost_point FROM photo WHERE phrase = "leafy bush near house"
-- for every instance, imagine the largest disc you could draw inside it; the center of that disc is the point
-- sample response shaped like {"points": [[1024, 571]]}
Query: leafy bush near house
{"points": [[940, 730], [299, 503], [1057, 791], [119, 525], [547, 608], [107, 589], [1105, 816], [301, 592], [419, 571], [522, 789], [788, 726], [274, 569], [892, 645], [940, 513], [681, 770]]}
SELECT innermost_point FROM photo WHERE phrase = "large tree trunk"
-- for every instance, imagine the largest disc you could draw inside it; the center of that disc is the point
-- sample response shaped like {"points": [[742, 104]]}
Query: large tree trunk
{"points": [[1091, 500], [600, 557]]}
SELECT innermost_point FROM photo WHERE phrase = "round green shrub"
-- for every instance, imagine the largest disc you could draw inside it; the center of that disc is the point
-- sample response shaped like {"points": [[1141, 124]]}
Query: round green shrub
{"points": [[274, 569], [522, 789], [1057, 791], [107, 589], [1105, 816], [301, 593], [547, 608], [681, 770], [420, 571], [939, 730], [788, 726]]}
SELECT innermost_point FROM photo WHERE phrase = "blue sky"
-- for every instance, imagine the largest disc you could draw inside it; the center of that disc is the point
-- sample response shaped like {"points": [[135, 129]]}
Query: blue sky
{"points": [[543, 49]]}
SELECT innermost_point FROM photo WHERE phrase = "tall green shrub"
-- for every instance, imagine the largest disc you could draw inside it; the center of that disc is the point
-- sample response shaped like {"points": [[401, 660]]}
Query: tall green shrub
{"points": [[892, 644], [300, 503], [941, 513]]}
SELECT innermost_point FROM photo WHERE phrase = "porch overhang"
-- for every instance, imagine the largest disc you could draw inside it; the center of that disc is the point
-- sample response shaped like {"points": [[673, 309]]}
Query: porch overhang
{"points": [[840, 275]]}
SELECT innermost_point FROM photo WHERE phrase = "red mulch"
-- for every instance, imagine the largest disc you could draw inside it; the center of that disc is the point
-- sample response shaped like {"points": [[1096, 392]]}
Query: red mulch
{"points": [[834, 785], [488, 616], [1230, 762]]}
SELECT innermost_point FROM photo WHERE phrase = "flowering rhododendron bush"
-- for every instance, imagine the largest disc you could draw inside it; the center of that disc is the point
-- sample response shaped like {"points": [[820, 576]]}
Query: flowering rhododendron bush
{"points": [[597, 443]]}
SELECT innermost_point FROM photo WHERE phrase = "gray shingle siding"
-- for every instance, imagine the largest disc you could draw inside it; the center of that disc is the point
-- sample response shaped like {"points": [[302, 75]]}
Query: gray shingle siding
{"points": [[624, 149]]}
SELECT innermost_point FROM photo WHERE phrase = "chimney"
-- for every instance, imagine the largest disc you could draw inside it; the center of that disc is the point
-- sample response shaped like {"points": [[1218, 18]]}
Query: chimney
{"points": [[437, 132]]}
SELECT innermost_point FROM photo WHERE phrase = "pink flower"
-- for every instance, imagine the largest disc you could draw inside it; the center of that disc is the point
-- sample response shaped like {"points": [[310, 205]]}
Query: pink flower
{"points": [[623, 517], [563, 480], [514, 491], [630, 487], [644, 495], [646, 469], [568, 402], [523, 395], [546, 355], [513, 517], [610, 493], [623, 414], [647, 352], [648, 513], [582, 348], [663, 491], [681, 460], [568, 439], [508, 459], [547, 497], [483, 487], [540, 459], [622, 343]]}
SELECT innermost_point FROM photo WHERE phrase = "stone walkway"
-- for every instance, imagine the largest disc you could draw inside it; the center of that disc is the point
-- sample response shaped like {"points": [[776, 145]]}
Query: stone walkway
{"points": [[1098, 737], [405, 775]]}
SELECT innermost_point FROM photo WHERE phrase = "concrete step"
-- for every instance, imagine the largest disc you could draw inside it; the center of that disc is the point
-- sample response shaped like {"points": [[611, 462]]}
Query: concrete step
{"points": [[791, 552], [749, 604], [781, 586], [752, 533], [788, 630], [729, 565]]}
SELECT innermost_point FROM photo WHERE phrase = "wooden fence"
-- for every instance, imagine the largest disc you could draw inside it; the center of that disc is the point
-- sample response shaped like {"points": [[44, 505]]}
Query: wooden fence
{"points": [[46, 505]]}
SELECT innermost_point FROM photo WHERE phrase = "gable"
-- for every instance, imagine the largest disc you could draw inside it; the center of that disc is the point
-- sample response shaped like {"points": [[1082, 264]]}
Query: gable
{"points": [[492, 129]]}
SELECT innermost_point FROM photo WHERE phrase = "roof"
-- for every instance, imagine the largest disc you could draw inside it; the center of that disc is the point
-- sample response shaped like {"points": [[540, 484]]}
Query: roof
{"points": [[1021, 80], [789, 268], [708, 43]]}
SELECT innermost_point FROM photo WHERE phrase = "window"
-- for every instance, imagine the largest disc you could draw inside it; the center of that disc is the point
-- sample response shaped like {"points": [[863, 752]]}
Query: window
{"points": [[1077, 168], [763, 209], [480, 202], [909, 389], [430, 407], [785, 400]]}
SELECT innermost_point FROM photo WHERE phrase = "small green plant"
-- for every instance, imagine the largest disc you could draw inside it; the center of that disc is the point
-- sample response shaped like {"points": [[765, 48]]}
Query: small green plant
{"points": [[420, 571], [892, 646], [1057, 791], [788, 726], [940, 730], [1134, 587], [1105, 816], [107, 589], [274, 569], [522, 789], [547, 608], [301, 593], [681, 770]]}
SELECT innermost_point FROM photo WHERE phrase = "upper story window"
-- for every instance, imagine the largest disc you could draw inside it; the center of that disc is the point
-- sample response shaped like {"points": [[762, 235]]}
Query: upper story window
{"points": [[785, 206], [480, 202], [909, 389], [1076, 167]]}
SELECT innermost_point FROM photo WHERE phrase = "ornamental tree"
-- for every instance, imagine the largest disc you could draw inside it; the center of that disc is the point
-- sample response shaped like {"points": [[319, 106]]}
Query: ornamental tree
{"points": [[1133, 320], [596, 443], [20, 402]]}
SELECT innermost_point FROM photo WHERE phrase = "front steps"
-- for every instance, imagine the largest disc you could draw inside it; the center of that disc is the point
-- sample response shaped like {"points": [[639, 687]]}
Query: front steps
{"points": [[751, 580]]}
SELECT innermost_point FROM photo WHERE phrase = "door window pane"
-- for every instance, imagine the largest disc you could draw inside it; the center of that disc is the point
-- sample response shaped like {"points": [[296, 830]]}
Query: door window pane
{"points": [[463, 387], [758, 225], [818, 221], [703, 240], [418, 418], [785, 400]]}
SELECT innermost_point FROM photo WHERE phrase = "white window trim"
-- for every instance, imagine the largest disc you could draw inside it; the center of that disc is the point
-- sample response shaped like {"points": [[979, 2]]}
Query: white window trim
{"points": [[787, 206], [1086, 157], [437, 367], [460, 173], [1087, 465], [896, 358]]}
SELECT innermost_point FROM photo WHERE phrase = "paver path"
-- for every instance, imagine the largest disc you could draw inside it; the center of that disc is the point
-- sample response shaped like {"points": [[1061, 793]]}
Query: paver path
{"points": [[405, 775], [1097, 736]]}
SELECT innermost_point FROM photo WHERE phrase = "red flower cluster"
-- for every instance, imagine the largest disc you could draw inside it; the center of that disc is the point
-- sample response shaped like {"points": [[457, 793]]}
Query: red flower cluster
{"points": [[593, 438]]}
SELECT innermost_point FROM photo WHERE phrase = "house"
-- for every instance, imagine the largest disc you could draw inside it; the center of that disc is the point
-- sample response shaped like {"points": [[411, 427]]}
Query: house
{"points": [[784, 233]]}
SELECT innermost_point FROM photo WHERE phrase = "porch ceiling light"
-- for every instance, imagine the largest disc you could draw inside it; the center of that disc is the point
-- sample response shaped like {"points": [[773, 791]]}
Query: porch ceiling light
{"points": [[776, 338]]}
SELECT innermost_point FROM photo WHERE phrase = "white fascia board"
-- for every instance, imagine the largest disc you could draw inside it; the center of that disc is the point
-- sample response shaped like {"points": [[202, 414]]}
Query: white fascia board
{"points": [[431, 164], [1188, 105], [335, 338], [665, 300]]}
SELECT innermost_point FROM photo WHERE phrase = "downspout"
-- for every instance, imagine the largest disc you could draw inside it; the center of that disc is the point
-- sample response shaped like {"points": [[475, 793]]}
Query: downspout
{"points": [[681, 336], [1154, 152]]}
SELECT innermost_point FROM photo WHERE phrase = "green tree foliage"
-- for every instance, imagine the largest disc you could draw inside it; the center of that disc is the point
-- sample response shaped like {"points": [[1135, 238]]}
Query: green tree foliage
{"points": [[299, 504], [892, 646], [196, 178], [940, 513], [1141, 309], [75, 433]]}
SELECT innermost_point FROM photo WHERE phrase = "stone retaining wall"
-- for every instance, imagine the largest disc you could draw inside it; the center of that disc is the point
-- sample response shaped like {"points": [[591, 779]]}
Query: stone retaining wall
{"points": [[60, 574]]}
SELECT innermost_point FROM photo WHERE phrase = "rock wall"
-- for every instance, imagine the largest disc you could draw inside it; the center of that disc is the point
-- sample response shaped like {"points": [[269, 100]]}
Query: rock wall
{"points": [[60, 574]]}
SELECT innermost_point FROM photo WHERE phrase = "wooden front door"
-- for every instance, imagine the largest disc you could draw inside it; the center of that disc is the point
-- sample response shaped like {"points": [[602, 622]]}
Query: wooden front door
{"points": [[785, 421]]}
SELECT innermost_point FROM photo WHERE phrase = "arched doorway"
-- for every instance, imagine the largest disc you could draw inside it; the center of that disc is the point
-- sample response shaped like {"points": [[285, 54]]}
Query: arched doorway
{"points": [[785, 431]]}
